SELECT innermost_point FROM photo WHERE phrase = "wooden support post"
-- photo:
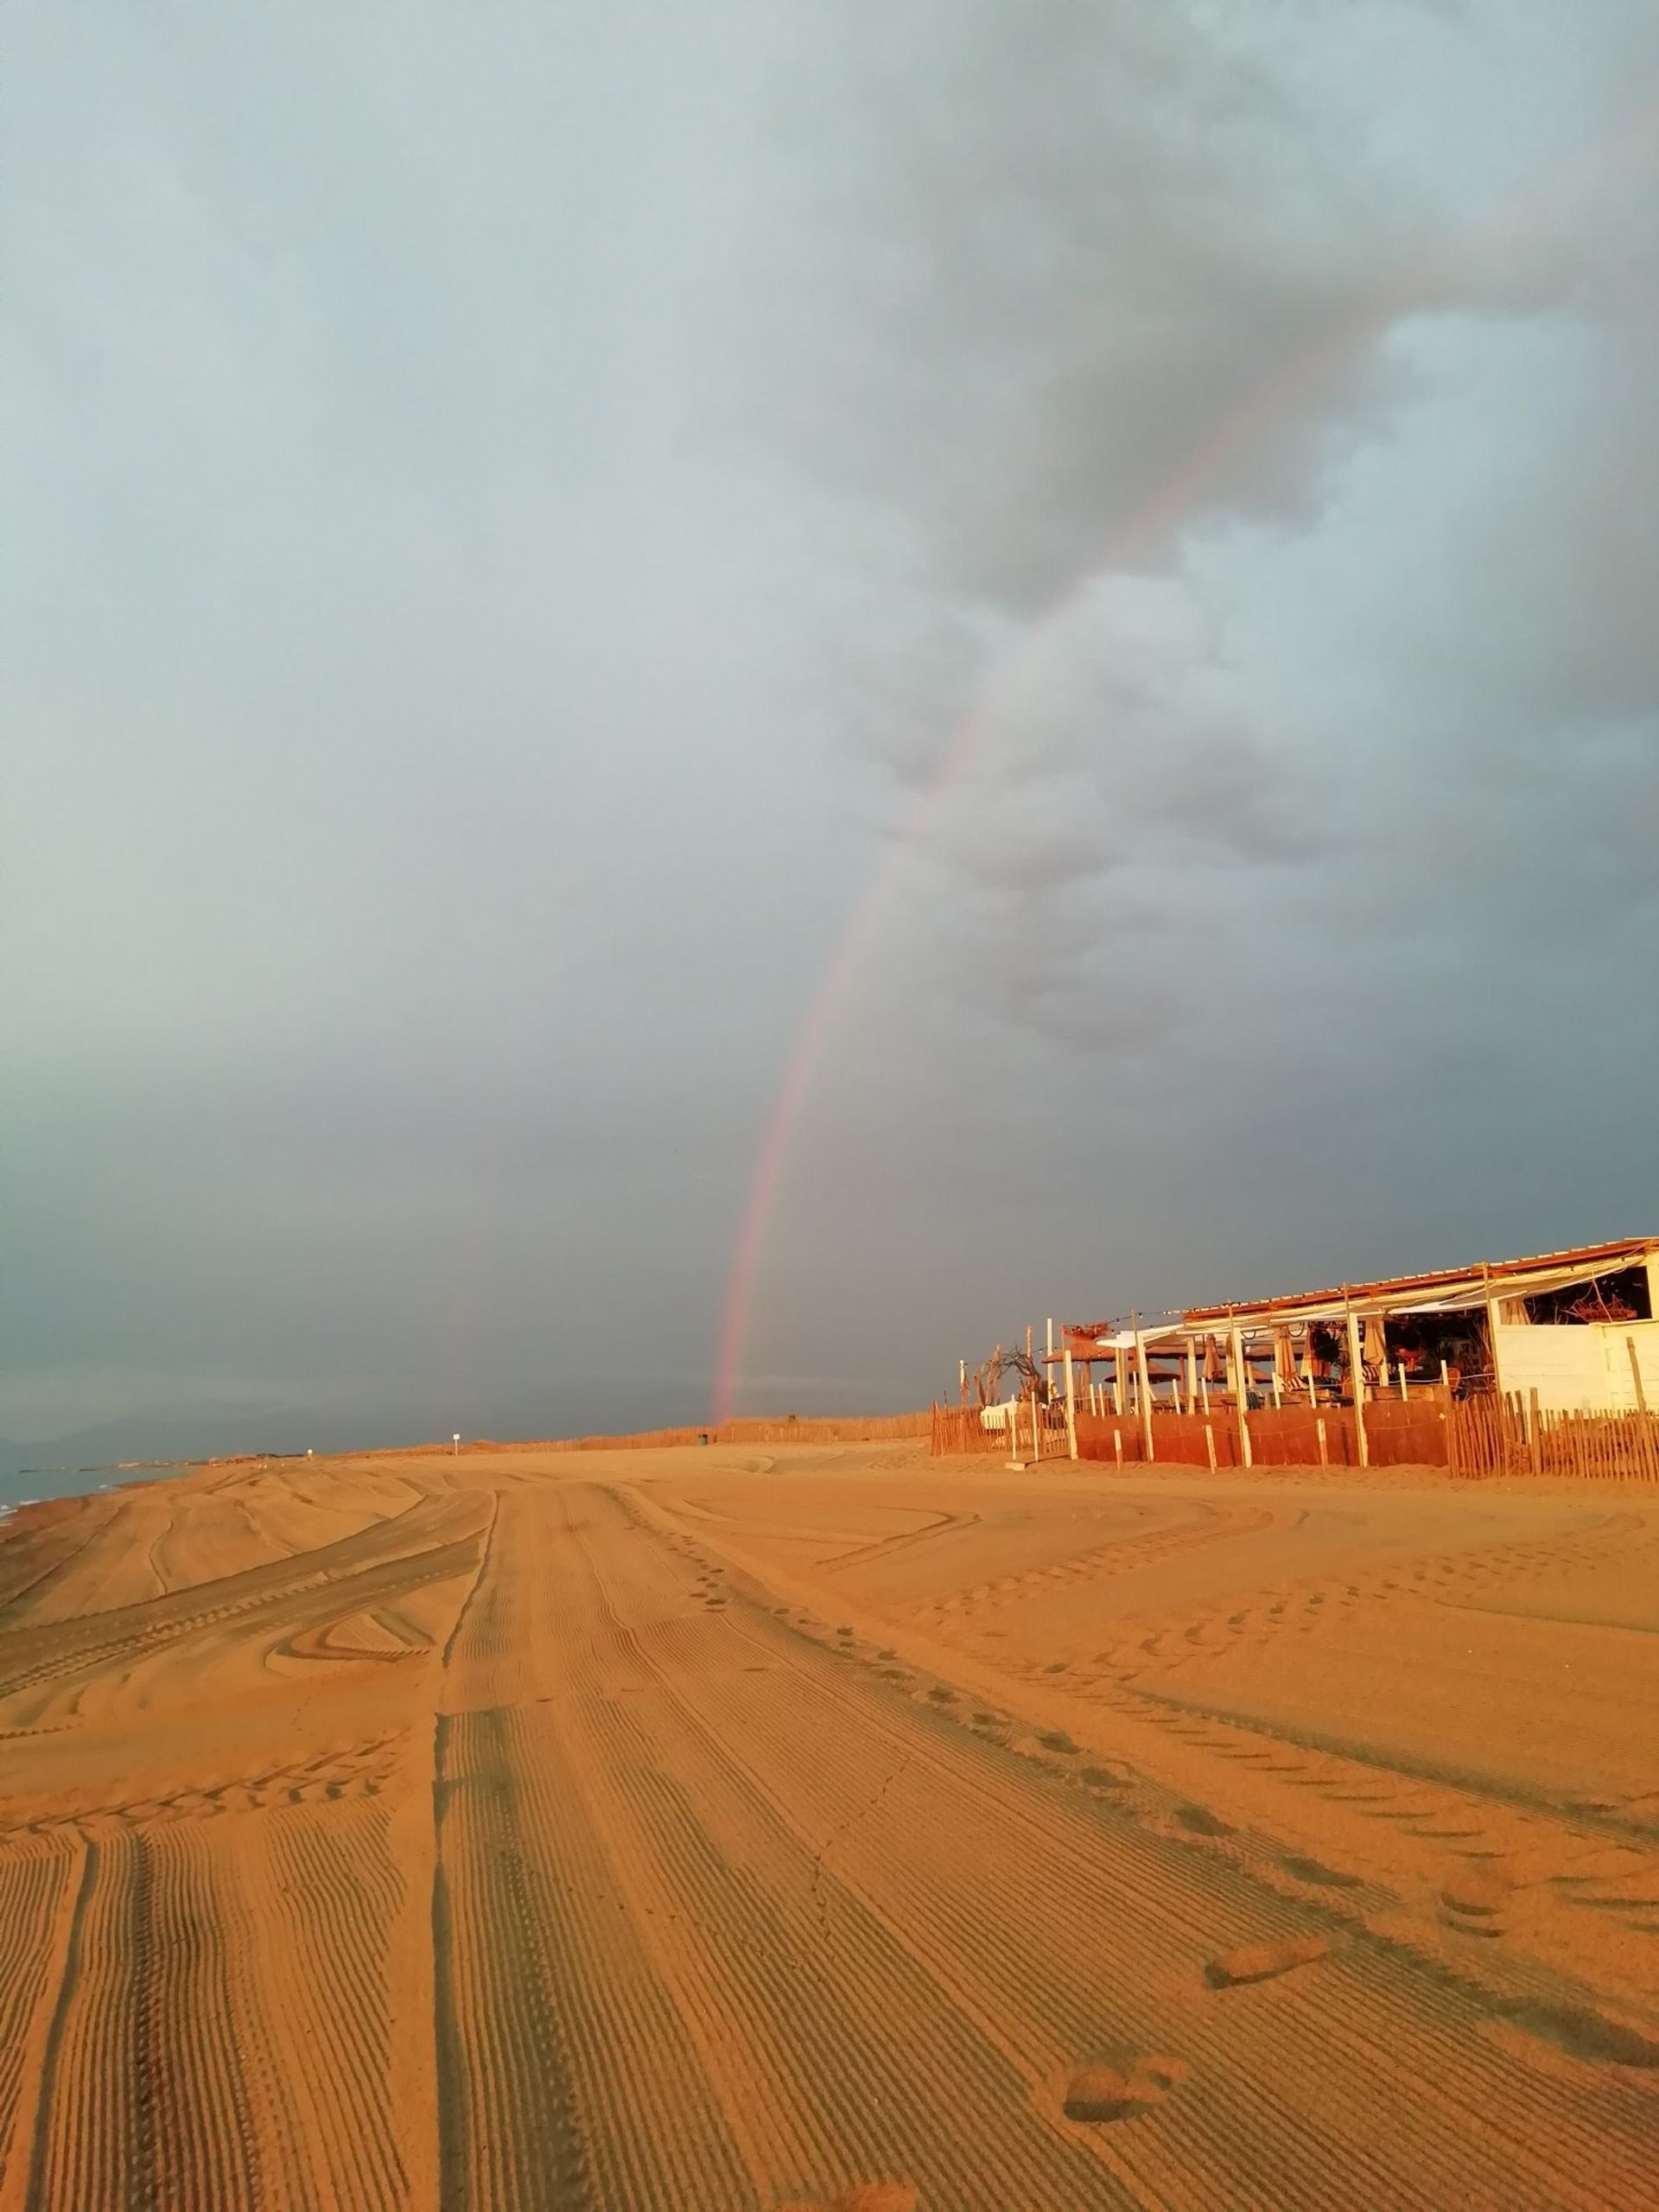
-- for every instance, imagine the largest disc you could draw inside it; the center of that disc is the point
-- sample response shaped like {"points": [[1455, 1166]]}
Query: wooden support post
{"points": [[1357, 1381], [1404, 1399], [1635, 1378], [1492, 1326], [1325, 1445], [1191, 1375], [1143, 1385], [1036, 1433], [1118, 1447], [1242, 1393], [1535, 1433], [1070, 1406], [1209, 1444], [1650, 1449], [1118, 1357]]}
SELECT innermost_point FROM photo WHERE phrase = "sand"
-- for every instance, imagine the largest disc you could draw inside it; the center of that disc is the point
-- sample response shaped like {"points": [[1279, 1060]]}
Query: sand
{"points": [[827, 1826]]}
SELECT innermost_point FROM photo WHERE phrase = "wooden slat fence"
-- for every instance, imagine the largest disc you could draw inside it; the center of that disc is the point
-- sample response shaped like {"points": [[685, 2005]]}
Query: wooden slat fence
{"points": [[1471, 1437], [959, 1429], [1511, 1435]]}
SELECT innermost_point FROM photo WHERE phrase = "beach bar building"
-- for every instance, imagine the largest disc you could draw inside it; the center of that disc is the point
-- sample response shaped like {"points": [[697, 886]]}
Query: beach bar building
{"points": [[1547, 1363], [1577, 1330]]}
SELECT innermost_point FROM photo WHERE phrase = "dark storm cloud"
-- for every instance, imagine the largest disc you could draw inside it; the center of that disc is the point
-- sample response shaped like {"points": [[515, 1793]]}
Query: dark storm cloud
{"points": [[1313, 835], [1053, 253], [1102, 297]]}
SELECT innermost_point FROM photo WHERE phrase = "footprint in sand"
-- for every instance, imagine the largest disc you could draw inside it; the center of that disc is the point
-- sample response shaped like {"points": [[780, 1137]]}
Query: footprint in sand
{"points": [[1316, 1871], [1122, 2087], [1264, 1961], [1476, 1892], [1199, 1819]]}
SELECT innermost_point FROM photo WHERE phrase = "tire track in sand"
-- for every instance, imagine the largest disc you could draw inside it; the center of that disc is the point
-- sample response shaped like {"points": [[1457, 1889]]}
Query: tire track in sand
{"points": [[31, 1899], [1078, 1902]]}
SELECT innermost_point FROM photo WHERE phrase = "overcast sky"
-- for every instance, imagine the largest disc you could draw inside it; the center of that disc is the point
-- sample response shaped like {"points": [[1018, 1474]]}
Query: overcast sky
{"points": [[516, 517]]}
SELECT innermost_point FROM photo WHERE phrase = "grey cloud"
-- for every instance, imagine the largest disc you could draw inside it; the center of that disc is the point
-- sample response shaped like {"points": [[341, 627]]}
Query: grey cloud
{"points": [[510, 525], [1057, 263]]}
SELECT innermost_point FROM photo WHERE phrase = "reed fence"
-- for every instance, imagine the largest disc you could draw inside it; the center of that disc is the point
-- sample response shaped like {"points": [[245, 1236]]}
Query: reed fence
{"points": [[1471, 1437], [1280, 1436], [878, 1428], [830, 1428]]}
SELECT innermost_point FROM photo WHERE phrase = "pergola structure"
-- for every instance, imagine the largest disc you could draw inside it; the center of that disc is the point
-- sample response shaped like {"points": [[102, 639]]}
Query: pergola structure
{"points": [[1568, 1332]]}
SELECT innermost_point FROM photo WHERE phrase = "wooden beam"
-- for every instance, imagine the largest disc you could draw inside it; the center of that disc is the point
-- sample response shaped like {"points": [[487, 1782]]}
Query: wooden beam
{"points": [[1242, 1395], [1650, 1449], [1492, 1327], [1143, 1387], [1070, 1406], [1357, 1381]]}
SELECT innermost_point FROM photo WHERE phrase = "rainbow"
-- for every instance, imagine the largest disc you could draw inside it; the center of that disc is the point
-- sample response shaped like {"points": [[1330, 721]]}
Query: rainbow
{"points": [[1423, 284]]}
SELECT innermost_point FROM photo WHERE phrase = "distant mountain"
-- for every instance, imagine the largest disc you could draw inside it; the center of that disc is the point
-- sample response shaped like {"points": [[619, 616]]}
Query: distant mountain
{"points": [[59, 1466], [422, 1413]]}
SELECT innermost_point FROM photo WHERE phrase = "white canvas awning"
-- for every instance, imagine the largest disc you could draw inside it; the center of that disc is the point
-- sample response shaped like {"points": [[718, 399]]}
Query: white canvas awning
{"points": [[1123, 1339], [1453, 1291]]}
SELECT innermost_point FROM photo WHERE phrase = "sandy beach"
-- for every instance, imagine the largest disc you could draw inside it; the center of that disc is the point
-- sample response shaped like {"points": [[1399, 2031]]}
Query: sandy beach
{"points": [[740, 1829]]}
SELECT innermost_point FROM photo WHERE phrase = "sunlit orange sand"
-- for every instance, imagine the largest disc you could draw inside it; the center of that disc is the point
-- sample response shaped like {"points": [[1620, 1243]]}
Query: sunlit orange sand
{"points": [[703, 1828]]}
